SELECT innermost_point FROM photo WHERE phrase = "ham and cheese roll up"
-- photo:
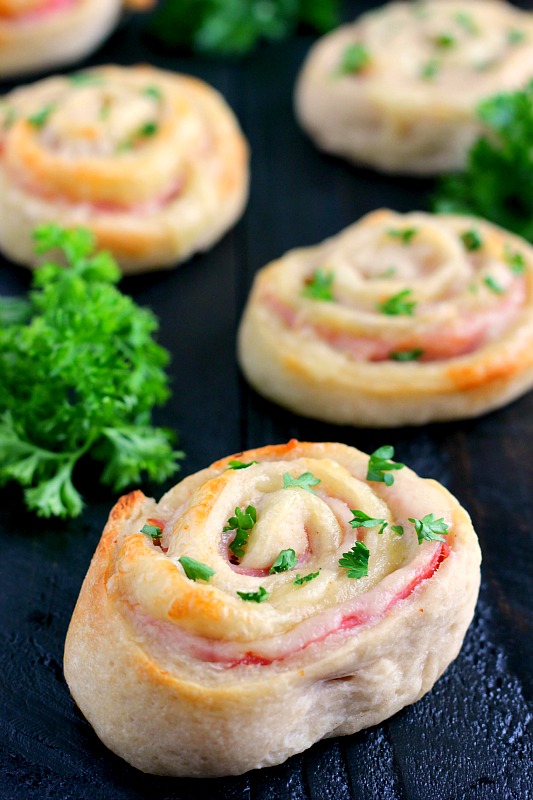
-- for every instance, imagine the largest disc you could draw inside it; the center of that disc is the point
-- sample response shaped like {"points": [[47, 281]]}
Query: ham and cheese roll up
{"points": [[41, 34], [154, 163], [281, 596], [398, 88], [397, 320]]}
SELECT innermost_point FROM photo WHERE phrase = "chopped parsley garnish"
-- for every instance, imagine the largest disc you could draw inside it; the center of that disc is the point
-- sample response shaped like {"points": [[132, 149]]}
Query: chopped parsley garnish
{"points": [[240, 464], [148, 129], [301, 579], [403, 234], [154, 92], [319, 286], [81, 373], [493, 285], [430, 529], [235, 28], [445, 40], [355, 58], [287, 559], [472, 240], [242, 523], [255, 597], [397, 529], [398, 304], [515, 260], [467, 22], [40, 118], [430, 69], [515, 36], [144, 132], [379, 465], [362, 520], [406, 355], [85, 79], [355, 562], [195, 570], [306, 481], [154, 531]]}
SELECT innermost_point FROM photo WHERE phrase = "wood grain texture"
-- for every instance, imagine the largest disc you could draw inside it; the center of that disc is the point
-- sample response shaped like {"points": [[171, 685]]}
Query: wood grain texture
{"points": [[470, 738]]}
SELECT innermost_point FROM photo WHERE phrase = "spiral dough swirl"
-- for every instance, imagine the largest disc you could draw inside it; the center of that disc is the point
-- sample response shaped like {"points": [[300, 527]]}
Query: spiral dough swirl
{"points": [[153, 162], [241, 666], [41, 34], [399, 319], [398, 88]]}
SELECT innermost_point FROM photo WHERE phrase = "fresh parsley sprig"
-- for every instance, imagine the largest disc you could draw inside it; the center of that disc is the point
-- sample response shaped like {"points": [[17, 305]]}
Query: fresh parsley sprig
{"points": [[235, 27], [398, 304], [195, 570], [242, 523], [362, 520], [236, 464], [497, 181], [354, 59], [430, 529], [286, 560], [405, 235], [306, 481], [380, 466], [319, 286], [153, 531], [81, 374], [255, 597], [355, 562], [301, 579]]}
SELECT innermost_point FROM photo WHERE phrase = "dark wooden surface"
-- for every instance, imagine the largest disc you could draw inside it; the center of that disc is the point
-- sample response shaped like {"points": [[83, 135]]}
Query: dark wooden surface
{"points": [[468, 739]]}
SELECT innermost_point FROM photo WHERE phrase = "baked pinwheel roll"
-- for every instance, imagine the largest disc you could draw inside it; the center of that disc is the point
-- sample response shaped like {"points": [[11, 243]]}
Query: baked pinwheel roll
{"points": [[281, 596], [154, 163], [397, 320], [40, 34], [398, 88]]}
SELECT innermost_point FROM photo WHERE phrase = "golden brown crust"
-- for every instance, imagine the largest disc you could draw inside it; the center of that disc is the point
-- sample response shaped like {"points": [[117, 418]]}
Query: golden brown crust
{"points": [[466, 332], [410, 108], [184, 677], [152, 162]]}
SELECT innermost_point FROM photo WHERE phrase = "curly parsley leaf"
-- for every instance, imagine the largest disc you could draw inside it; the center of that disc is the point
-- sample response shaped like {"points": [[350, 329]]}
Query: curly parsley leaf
{"points": [[195, 570], [301, 579], [81, 374], [354, 59], [397, 529], [306, 481], [379, 465], [355, 562], [515, 260], [242, 523], [492, 284], [319, 286], [405, 235], [235, 27], [398, 304], [406, 355], [153, 531], [362, 520], [255, 597], [472, 240], [286, 560], [497, 181], [430, 529]]}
